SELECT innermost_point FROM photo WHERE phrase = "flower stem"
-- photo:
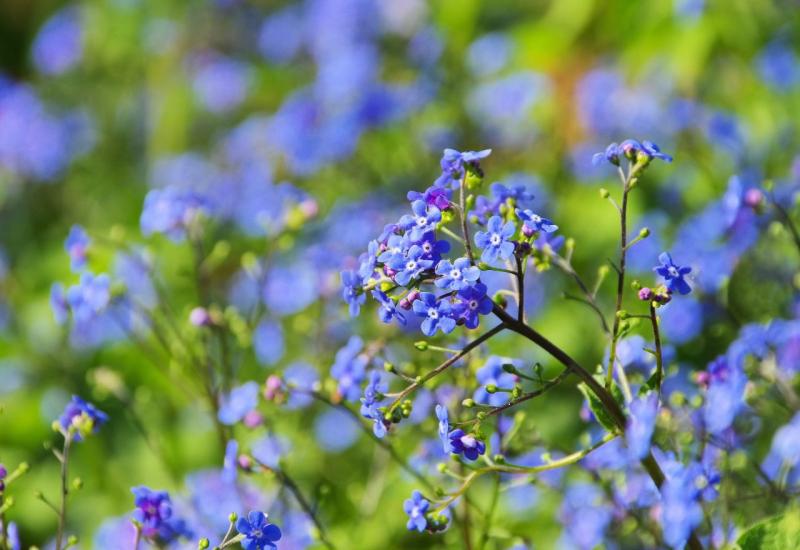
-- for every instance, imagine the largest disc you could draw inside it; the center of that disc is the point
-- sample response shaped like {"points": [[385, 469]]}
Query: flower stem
{"points": [[62, 512], [463, 211], [659, 357]]}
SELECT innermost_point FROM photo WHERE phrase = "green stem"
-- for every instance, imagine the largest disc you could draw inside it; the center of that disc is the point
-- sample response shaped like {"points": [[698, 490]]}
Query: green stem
{"points": [[659, 355], [62, 512]]}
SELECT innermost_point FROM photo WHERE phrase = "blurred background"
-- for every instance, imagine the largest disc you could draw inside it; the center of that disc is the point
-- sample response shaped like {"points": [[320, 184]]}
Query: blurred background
{"points": [[341, 107]]}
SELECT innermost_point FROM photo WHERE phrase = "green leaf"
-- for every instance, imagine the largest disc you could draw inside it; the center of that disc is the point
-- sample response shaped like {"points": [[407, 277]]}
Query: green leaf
{"points": [[597, 408], [781, 532]]}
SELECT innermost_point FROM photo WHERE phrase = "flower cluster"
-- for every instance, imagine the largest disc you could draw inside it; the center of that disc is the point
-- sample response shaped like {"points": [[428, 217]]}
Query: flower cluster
{"points": [[154, 516], [405, 266]]}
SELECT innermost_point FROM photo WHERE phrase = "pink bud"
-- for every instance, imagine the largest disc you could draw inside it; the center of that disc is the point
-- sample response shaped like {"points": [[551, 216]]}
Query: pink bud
{"points": [[753, 197], [199, 317], [646, 294], [253, 419], [272, 387], [245, 462]]}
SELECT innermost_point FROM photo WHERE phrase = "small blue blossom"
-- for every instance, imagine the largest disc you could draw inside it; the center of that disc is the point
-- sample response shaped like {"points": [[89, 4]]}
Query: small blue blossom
{"points": [[454, 163], [673, 275], [258, 533], [654, 151], [59, 44], [495, 241], [437, 314], [423, 221], [76, 245], [533, 223], [154, 514], [388, 308], [416, 508], [81, 418], [641, 424], [352, 284], [457, 275], [394, 249], [369, 260], [229, 462], [238, 403], [411, 266], [58, 303], [462, 443], [444, 428], [611, 154], [435, 195], [349, 368], [433, 249], [473, 302], [492, 373]]}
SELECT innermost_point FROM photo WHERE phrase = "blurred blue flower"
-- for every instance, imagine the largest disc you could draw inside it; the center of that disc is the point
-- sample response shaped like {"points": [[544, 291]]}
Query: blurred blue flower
{"points": [[641, 425], [281, 36], [268, 342], [489, 54], [585, 516], [349, 368], [778, 65], [77, 245], [416, 507], [492, 373], [335, 430], [269, 450], [240, 401], [81, 418], [58, 46], [220, 83], [300, 378]]}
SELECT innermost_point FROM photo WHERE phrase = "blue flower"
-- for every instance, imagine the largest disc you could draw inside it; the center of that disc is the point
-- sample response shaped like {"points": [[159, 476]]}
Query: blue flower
{"points": [[457, 275], [462, 443], [230, 461], [673, 275], [369, 260], [611, 154], [171, 211], [351, 291], [59, 44], [349, 368], [394, 249], [653, 151], [495, 241], [444, 428], [435, 195], [423, 221], [454, 163], [268, 342], [220, 83], [76, 246], [492, 373], [680, 509], [437, 315], [154, 514], [238, 403], [533, 223], [431, 248], [58, 303], [585, 516], [258, 533], [411, 266], [82, 418], [416, 508], [388, 308], [641, 424], [473, 302]]}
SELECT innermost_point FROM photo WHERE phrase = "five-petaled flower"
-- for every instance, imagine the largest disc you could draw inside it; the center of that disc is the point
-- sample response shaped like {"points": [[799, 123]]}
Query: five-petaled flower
{"points": [[416, 507], [258, 533], [351, 291], [154, 516], [466, 444], [411, 266], [456, 275], [387, 309], [424, 220], [454, 163], [474, 303], [533, 223], [496, 240], [673, 275], [437, 314]]}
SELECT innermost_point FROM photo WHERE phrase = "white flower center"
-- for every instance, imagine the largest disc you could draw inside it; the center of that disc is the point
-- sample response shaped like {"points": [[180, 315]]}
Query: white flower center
{"points": [[411, 265], [673, 272], [433, 313], [455, 274], [468, 441], [473, 304], [427, 247], [422, 221], [495, 239]]}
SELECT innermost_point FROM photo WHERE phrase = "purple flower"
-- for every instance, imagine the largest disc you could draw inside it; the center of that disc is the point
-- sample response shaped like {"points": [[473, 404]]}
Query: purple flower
{"points": [[154, 514], [462, 443], [410, 266], [433, 196], [495, 241], [423, 221], [457, 275], [433, 249], [533, 223], [444, 427], [258, 533], [76, 246], [438, 315], [82, 418], [352, 284], [473, 302], [388, 308], [416, 507], [238, 403], [673, 275]]}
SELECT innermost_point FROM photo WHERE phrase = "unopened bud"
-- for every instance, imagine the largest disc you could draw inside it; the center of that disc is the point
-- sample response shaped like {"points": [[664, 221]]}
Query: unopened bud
{"points": [[644, 232], [604, 193], [421, 345]]}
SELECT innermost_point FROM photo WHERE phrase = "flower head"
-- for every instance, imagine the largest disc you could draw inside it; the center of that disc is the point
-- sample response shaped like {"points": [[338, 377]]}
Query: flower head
{"points": [[416, 507], [444, 427], [534, 223], [388, 308], [496, 240], [673, 275], [258, 533], [351, 291], [154, 514], [454, 163], [422, 221], [411, 266], [438, 314], [473, 303], [81, 418], [466, 444], [457, 275]]}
